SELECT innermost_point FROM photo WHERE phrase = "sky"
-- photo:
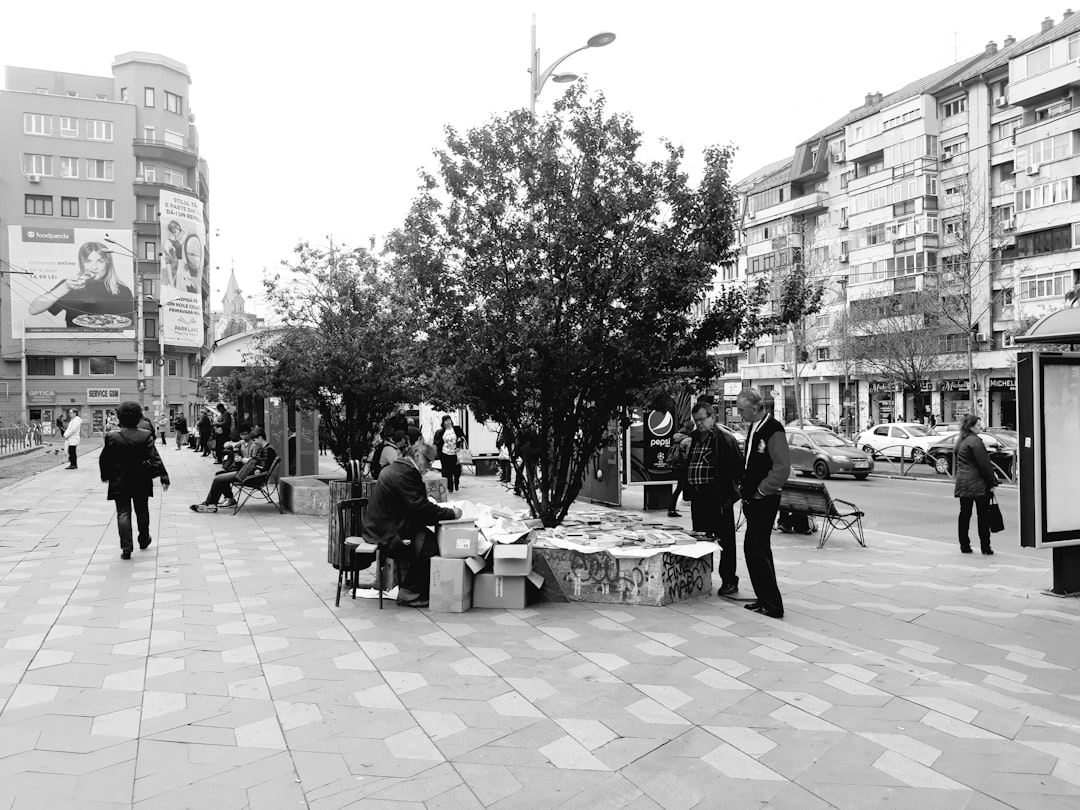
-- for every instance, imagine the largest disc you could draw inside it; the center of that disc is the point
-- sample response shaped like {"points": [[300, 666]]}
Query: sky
{"points": [[315, 117]]}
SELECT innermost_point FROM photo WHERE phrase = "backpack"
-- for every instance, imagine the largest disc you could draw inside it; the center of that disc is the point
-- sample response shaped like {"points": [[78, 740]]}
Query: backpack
{"points": [[795, 522], [375, 465], [679, 457]]}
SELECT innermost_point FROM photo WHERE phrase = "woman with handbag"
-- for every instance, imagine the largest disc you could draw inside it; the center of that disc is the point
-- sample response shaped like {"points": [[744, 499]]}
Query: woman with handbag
{"points": [[449, 439], [974, 486], [129, 462]]}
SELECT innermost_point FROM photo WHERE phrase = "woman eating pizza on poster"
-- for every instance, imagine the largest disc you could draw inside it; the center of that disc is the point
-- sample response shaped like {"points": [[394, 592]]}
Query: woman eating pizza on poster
{"points": [[95, 298]]}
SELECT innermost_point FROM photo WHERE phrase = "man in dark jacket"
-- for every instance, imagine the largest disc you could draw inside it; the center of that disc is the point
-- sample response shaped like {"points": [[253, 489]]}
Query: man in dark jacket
{"points": [[712, 475], [180, 425], [129, 462], [767, 467], [397, 516], [205, 428], [222, 431]]}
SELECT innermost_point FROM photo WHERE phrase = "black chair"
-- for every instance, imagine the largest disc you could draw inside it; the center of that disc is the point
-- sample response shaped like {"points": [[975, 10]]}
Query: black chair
{"points": [[264, 484], [355, 553]]}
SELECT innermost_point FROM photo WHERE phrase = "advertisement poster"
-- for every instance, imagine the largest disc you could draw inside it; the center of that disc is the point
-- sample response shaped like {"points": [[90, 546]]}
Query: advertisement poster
{"points": [[649, 443], [71, 282], [1061, 420], [183, 260]]}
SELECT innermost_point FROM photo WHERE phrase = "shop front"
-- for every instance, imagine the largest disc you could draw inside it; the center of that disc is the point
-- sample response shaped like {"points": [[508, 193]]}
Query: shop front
{"points": [[99, 402], [955, 400], [731, 391], [42, 408], [1002, 402], [882, 401]]}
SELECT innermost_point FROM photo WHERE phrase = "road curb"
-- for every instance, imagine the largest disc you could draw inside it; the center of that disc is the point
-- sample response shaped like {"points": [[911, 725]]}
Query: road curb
{"points": [[930, 480], [24, 452]]}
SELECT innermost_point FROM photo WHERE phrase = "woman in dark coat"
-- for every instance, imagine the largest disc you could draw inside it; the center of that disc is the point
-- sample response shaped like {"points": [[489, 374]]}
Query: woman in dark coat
{"points": [[205, 427], [975, 482], [129, 462]]}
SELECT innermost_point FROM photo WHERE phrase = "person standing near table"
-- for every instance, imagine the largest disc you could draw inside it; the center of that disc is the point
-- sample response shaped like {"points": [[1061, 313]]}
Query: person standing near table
{"points": [[129, 462], [712, 474], [72, 436], [767, 465]]}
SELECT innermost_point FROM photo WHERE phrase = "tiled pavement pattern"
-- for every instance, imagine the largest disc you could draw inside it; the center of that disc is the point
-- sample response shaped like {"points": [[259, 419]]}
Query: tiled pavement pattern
{"points": [[213, 672]]}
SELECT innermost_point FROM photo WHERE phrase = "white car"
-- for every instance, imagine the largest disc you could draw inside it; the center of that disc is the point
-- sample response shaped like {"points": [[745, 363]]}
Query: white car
{"points": [[905, 440]]}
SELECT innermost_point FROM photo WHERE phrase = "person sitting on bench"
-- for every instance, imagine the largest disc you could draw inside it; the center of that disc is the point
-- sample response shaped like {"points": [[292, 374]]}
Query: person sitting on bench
{"points": [[236, 453], [261, 461]]}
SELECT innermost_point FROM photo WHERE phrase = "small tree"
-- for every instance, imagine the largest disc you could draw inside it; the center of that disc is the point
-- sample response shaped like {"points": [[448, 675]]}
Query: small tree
{"points": [[347, 350], [560, 271], [801, 294]]}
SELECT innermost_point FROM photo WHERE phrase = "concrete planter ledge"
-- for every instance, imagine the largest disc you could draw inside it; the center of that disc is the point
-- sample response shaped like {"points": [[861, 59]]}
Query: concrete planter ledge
{"points": [[307, 494]]}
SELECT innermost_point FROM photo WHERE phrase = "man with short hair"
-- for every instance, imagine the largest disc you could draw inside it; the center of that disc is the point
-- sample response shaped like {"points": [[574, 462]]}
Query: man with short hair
{"points": [[222, 431], [712, 476], [236, 453], [261, 461], [72, 436], [767, 465]]}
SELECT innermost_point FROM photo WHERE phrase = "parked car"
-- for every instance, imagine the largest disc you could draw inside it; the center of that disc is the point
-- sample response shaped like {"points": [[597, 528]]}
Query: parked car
{"points": [[993, 438], [823, 453], [905, 440], [940, 454], [809, 421], [740, 437]]}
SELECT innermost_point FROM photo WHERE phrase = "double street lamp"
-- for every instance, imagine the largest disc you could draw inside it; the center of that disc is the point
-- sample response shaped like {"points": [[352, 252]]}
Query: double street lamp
{"points": [[538, 79]]}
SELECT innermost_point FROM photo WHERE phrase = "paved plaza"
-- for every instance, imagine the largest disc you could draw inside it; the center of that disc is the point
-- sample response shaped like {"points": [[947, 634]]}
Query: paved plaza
{"points": [[212, 671]]}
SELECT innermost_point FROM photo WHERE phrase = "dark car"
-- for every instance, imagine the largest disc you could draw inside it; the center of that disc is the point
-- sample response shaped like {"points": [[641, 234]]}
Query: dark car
{"points": [[940, 454], [823, 453]]}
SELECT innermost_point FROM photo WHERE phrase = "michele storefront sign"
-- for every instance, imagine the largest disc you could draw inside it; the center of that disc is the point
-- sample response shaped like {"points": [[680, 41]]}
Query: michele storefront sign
{"points": [[101, 396]]}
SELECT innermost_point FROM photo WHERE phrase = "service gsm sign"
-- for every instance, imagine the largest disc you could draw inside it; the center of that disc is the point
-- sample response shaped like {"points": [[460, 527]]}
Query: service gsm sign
{"points": [[99, 396]]}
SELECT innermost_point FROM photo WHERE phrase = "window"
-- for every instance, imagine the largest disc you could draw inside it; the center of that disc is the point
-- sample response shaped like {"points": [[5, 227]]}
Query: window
{"points": [[954, 227], [174, 103], [99, 130], [1051, 56], [951, 149], [76, 366], [1052, 240], [823, 353], [37, 164], [172, 367], [149, 174], [954, 343], [149, 212], [69, 206], [1004, 129], [69, 127], [150, 251], [1046, 285], [39, 204], [102, 366], [99, 169], [954, 107], [101, 97], [69, 167], [873, 235], [98, 208], [150, 328], [149, 133], [40, 366], [1055, 148], [174, 139], [904, 208], [123, 95], [1053, 110], [36, 124], [175, 177], [1059, 191], [149, 287], [148, 97]]}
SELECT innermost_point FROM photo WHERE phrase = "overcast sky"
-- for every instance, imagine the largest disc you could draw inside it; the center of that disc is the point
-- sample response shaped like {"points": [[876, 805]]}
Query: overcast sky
{"points": [[315, 116]]}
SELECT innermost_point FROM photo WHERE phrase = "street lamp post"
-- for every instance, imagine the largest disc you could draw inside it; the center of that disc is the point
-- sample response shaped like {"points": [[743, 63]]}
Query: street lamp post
{"points": [[538, 79], [140, 329]]}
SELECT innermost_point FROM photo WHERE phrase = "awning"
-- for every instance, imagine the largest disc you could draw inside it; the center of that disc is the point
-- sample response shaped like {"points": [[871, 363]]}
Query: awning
{"points": [[234, 352], [1062, 326]]}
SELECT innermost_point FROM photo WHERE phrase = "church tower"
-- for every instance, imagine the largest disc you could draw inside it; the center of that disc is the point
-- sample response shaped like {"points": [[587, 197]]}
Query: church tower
{"points": [[233, 302]]}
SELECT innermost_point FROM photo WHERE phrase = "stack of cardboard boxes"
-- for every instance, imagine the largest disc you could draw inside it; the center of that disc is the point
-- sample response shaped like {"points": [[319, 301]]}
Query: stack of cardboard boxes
{"points": [[462, 577]]}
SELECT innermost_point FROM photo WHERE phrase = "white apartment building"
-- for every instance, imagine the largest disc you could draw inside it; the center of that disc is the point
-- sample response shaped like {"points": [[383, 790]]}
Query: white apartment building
{"points": [[963, 181]]}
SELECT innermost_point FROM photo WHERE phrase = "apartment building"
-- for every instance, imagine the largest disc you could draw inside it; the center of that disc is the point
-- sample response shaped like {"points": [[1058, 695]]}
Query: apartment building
{"points": [[104, 208], [960, 186]]}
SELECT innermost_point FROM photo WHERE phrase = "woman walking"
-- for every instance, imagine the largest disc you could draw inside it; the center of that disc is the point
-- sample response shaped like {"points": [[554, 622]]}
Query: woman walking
{"points": [[975, 482], [448, 440]]}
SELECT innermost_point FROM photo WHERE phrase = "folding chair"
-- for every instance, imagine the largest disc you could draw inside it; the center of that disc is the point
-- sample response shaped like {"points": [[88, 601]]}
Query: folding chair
{"points": [[263, 484], [352, 548]]}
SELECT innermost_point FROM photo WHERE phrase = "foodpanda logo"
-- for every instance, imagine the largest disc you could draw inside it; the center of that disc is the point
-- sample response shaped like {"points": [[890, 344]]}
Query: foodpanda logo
{"points": [[660, 424]]}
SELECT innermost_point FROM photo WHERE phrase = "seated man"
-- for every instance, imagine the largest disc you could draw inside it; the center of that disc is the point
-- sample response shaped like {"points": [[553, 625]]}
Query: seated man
{"points": [[236, 453], [261, 460], [398, 514]]}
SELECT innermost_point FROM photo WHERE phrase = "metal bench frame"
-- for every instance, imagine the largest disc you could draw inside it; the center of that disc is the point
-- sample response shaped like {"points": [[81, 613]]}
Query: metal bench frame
{"points": [[264, 484], [812, 498]]}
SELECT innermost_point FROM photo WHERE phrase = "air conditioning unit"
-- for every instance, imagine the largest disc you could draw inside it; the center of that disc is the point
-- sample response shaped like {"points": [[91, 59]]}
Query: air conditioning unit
{"points": [[1008, 341], [980, 337], [1001, 102], [749, 216], [844, 257], [838, 157], [1010, 224], [1032, 169], [34, 178], [946, 157], [843, 224]]}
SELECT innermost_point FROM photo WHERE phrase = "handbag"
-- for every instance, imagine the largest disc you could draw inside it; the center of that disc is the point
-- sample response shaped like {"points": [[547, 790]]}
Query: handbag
{"points": [[997, 521], [464, 456]]}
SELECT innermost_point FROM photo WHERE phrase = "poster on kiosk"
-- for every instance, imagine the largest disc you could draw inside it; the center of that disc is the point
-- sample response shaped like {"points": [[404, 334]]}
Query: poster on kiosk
{"points": [[1048, 409]]}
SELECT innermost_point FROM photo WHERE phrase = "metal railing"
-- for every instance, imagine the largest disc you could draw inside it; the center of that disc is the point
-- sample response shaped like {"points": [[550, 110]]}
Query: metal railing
{"points": [[20, 437], [910, 458]]}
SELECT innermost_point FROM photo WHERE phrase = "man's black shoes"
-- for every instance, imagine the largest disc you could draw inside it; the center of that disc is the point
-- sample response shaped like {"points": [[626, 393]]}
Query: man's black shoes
{"points": [[728, 590], [125, 554], [757, 607]]}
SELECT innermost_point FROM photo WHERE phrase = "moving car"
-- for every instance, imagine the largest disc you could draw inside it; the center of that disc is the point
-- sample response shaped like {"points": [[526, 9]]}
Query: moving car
{"points": [[823, 453], [941, 452], [904, 440]]}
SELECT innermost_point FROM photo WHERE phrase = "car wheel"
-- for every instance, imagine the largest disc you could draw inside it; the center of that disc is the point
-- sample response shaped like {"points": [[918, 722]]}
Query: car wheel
{"points": [[918, 455], [821, 469], [942, 466], [861, 476]]}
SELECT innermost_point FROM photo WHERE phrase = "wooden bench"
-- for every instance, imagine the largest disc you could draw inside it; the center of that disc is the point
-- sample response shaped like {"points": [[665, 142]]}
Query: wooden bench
{"points": [[812, 498]]}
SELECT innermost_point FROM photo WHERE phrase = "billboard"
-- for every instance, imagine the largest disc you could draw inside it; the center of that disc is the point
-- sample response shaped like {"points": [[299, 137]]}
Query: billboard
{"points": [[69, 282], [184, 257], [647, 446]]}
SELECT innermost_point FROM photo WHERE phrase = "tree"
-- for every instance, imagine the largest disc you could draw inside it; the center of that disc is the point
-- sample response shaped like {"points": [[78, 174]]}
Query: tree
{"points": [[801, 295], [560, 270], [347, 350]]}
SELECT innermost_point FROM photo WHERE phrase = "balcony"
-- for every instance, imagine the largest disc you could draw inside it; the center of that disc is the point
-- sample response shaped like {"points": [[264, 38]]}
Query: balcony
{"points": [[147, 227], [1022, 91], [927, 163], [797, 205], [156, 150], [152, 185]]}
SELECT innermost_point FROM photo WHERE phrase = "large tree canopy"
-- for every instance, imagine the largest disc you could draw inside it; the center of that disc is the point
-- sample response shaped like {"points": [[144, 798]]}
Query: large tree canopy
{"points": [[559, 270]]}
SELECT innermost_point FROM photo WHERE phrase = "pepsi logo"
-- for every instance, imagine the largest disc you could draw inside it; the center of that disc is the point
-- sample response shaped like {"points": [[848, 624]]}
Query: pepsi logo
{"points": [[660, 423]]}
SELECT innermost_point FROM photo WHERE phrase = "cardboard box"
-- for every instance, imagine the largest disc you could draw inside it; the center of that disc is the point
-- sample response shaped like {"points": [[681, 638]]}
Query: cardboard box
{"points": [[457, 538], [512, 560], [452, 584], [508, 593]]}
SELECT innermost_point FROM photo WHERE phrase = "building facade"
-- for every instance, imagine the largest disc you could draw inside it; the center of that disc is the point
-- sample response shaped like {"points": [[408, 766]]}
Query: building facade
{"points": [[97, 304], [960, 189]]}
